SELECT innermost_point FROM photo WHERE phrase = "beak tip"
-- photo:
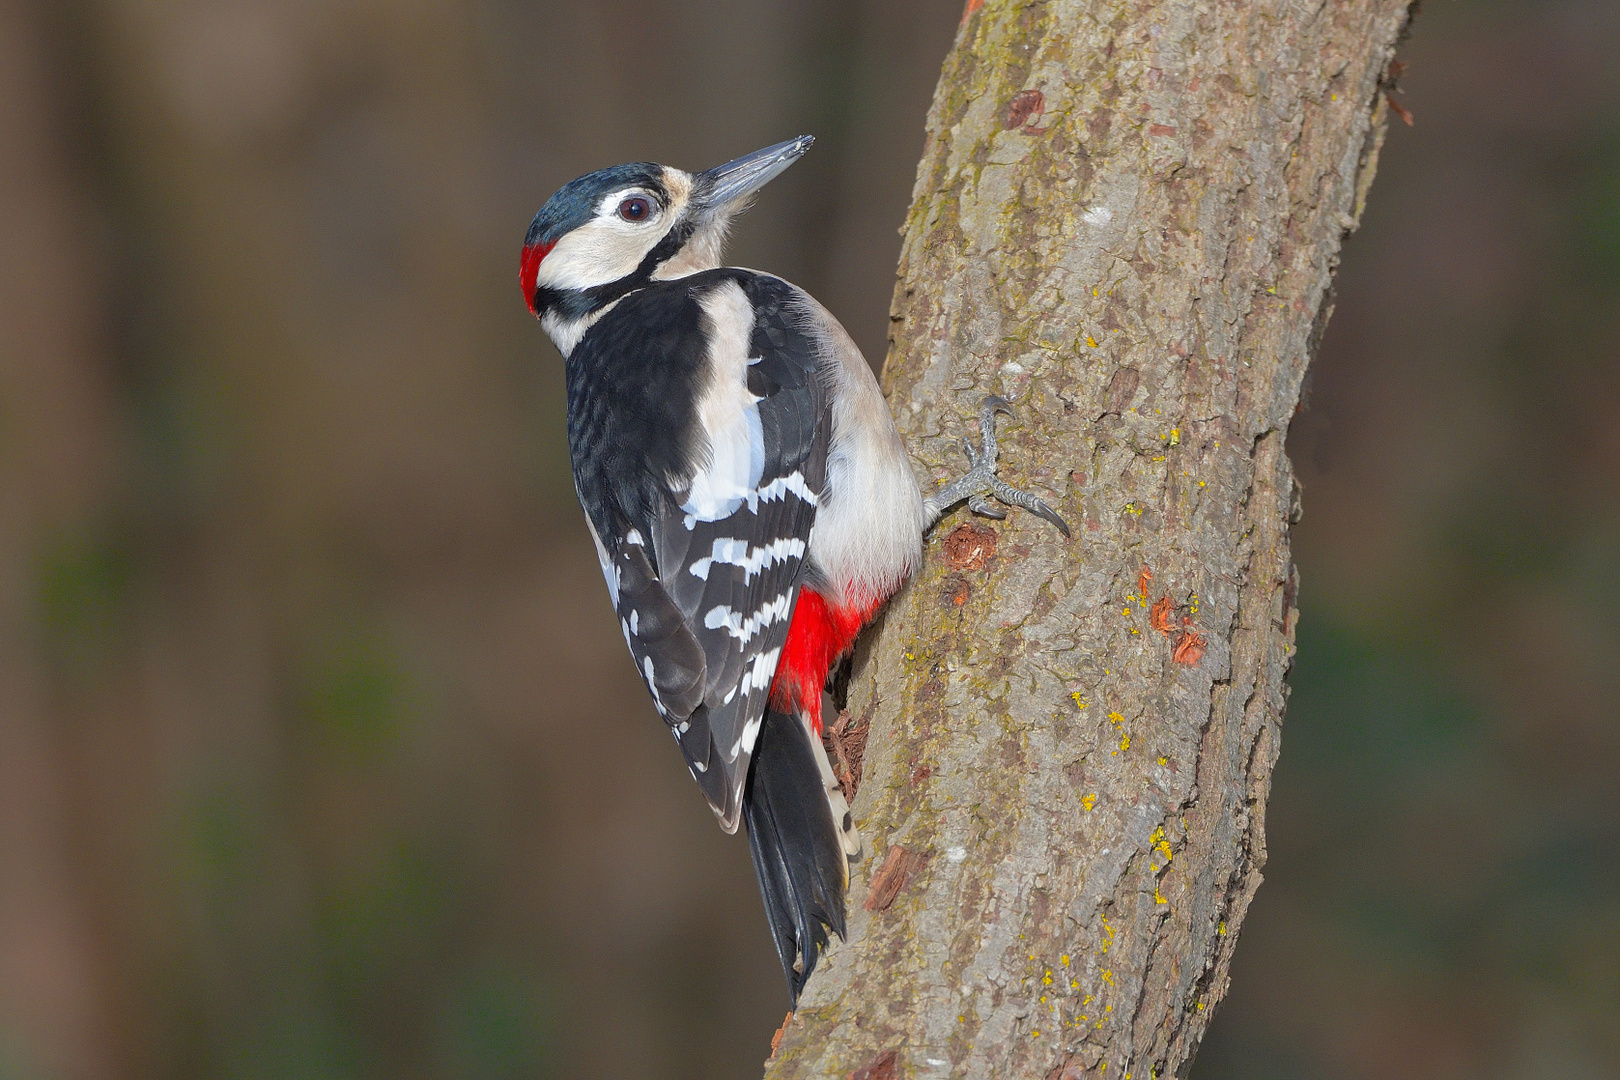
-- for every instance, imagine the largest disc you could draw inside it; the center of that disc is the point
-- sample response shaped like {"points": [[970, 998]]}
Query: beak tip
{"points": [[735, 179]]}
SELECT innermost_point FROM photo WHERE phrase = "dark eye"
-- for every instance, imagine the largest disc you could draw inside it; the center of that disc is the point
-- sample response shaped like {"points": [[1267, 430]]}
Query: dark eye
{"points": [[634, 208]]}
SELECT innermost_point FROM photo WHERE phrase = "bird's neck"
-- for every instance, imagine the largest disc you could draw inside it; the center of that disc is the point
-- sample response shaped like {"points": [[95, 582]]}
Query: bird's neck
{"points": [[566, 328], [702, 252]]}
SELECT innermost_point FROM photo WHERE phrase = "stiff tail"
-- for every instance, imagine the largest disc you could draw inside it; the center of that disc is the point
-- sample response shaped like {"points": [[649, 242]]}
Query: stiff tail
{"points": [[798, 848]]}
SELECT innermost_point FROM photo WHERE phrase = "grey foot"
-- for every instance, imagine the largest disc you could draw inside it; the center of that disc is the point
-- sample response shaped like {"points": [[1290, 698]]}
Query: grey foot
{"points": [[981, 479]]}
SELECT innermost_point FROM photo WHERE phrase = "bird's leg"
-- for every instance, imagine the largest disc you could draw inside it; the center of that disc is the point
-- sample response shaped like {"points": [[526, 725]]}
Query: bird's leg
{"points": [[981, 479]]}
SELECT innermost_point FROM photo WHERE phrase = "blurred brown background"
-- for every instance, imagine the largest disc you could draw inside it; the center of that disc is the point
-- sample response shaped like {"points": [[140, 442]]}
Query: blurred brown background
{"points": [[320, 756]]}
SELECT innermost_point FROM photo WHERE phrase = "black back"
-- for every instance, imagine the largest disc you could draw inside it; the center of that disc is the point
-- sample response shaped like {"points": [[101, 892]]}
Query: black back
{"points": [[704, 630]]}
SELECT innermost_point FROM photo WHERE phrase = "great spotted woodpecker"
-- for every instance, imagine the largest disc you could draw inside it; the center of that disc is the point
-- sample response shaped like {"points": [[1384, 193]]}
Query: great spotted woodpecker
{"points": [[750, 499]]}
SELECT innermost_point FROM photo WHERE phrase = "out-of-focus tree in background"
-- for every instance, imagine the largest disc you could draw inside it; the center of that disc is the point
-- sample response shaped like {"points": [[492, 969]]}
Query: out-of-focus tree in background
{"points": [[1443, 896], [320, 755]]}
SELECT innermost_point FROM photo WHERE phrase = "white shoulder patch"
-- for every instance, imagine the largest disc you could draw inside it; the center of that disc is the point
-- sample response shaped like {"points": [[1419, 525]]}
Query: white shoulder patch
{"points": [[728, 413]]}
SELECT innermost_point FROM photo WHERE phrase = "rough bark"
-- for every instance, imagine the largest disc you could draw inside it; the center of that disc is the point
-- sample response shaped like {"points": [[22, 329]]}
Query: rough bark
{"points": [[1126, 220]]}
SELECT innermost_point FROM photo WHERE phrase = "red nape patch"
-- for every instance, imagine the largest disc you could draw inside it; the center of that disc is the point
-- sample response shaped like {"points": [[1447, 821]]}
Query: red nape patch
{"points": [[818, 635], [529, 271]]}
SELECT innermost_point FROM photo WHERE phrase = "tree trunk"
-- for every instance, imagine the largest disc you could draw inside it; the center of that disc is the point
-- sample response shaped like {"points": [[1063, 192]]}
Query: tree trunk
{"points": [[1126, 220]]}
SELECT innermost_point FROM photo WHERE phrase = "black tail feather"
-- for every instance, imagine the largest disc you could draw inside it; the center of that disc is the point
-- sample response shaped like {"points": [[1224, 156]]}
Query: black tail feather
{"points": [[798, 853]]}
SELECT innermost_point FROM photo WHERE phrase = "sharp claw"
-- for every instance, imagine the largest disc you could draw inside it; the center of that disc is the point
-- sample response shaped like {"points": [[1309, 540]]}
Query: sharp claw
{"points": [[980, 505], [996, 404], [1040, 509], [1033, 503]]}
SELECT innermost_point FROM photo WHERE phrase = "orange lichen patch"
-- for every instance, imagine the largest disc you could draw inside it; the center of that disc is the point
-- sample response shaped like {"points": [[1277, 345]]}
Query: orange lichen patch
{"points": [[972, 6], [1159, 617], [899, 866], [776, 1040], [886, 1066], [970, 546], [956, 591], [1189, 646], [1142, 580]]}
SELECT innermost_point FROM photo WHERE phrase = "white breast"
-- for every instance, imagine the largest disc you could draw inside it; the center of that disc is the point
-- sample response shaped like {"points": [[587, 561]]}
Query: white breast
{"points": [[869, 527]]}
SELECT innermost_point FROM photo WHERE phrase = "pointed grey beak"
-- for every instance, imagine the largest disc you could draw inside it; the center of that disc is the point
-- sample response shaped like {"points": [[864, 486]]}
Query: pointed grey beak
{"points": [[737, 179]]}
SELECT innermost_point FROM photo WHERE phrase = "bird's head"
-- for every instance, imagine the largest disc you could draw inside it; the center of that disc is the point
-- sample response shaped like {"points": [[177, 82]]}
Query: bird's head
{"points": [[616, 229]]}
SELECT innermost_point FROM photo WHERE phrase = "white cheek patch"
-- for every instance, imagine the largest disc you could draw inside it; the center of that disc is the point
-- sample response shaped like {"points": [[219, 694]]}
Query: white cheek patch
{"points": [[600, 251], [607, 247]]}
